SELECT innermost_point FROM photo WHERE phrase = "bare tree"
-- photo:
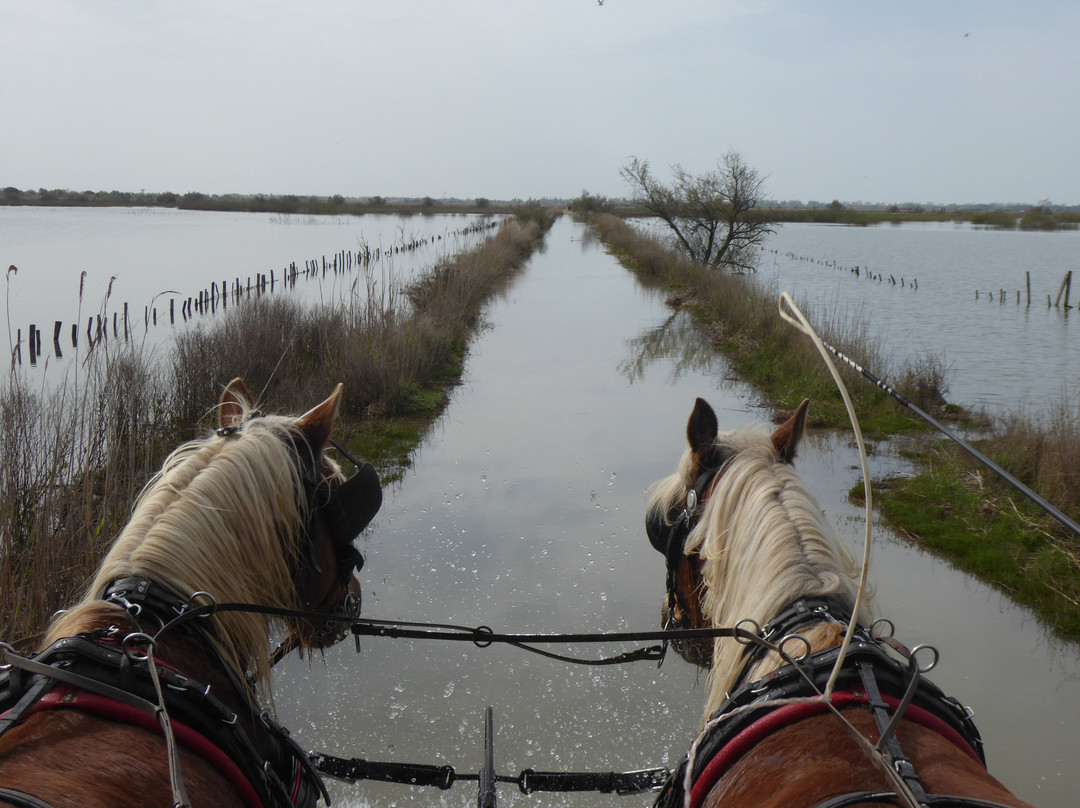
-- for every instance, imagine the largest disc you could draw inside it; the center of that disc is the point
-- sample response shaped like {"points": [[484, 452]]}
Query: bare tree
{"points": [[714, 217]]}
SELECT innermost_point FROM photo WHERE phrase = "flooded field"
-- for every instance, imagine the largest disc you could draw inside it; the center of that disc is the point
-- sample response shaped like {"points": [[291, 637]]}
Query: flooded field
{"points": [[524, 510], [80, 266], [951, 290]]}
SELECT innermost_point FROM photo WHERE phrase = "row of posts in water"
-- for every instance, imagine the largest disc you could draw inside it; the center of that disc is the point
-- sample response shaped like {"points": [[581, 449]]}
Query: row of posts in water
{"points": [[857, 270], [208, 300], [1063, 291]]}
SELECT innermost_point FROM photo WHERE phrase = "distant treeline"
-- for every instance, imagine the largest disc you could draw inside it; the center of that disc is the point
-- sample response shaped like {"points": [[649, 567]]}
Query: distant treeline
{"points": [[1024, 217], [1038, 217], [258, 203]]}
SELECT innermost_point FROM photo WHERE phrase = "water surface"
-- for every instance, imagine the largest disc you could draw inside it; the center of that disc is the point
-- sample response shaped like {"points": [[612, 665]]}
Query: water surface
{"points": [[524, 511], [938, 289], [74, 264]]}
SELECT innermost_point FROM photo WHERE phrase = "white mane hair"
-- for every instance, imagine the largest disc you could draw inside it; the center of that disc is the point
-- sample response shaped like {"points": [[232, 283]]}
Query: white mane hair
{"points": [[763, 543], [221, 516]]}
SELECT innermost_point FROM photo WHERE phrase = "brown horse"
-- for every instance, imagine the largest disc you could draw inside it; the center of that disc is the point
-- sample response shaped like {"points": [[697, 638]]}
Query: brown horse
{"points": [[807, 714], [147, 694]]}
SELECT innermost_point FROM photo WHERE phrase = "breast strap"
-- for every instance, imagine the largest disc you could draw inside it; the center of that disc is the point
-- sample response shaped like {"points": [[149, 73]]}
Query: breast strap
{"points": [[755, 714], [99, 678]]}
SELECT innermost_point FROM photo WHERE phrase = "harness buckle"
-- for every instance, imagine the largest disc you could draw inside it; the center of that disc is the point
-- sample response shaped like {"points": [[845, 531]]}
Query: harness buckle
{"points": [[120, 599]]}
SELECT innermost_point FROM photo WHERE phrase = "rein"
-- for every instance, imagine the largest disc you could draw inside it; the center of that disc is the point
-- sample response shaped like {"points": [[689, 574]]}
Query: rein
{"points": [[789, 685], [484, 636]]}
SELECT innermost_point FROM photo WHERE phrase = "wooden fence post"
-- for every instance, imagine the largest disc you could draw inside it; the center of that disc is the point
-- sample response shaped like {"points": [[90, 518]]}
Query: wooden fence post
{"points": [[1066, 282]]}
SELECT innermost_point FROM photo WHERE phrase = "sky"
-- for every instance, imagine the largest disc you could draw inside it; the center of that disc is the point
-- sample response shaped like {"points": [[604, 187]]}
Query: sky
{"points": [[966, 101]]}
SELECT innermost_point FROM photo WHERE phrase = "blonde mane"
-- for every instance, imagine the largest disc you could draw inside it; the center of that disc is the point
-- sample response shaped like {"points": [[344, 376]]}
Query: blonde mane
{"points": [[222, 516], [763, 542]]}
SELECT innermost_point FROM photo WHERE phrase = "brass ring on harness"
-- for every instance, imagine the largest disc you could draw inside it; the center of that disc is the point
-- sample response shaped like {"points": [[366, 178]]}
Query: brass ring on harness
{"points": [[806, 643], [127, 645], [913, 663]]}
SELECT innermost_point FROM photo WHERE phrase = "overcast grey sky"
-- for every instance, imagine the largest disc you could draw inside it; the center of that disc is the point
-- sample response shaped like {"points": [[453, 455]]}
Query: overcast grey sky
{"points": [[926, 101]]}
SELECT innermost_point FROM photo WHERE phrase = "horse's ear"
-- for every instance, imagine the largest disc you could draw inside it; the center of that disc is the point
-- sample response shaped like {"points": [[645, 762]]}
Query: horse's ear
{"points": [[317, 424], [786, 438], [235, 401], [702, 427]]}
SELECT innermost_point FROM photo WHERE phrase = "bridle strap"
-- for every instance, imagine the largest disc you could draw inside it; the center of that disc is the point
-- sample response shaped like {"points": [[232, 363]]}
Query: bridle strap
{"points": [[889, 744], [678, 531]]}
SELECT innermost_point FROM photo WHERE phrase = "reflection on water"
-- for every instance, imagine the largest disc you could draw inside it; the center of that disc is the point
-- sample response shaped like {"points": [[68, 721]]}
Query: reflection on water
{"points": [[676, 343], [524, 512]]}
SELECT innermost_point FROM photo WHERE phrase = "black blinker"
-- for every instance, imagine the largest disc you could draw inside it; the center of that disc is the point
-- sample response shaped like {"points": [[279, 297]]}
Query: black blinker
{"points": [[353, 504], [655, 529]]}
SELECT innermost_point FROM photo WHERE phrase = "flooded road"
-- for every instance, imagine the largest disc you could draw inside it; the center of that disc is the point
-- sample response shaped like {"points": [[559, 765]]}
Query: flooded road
{"points": [[524, 512]]}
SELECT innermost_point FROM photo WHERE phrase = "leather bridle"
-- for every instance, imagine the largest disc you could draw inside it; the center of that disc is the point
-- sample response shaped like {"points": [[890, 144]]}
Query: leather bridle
{"points": [[668, 535]]}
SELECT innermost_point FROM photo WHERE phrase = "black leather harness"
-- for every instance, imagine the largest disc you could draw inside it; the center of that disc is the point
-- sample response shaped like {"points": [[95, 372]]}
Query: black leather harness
{"points": [[101, 663], [869, 671]]}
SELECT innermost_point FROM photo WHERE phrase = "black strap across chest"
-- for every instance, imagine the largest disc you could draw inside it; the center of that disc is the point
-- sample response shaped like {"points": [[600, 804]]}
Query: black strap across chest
{"points": [[279, 771], [867, 666]]}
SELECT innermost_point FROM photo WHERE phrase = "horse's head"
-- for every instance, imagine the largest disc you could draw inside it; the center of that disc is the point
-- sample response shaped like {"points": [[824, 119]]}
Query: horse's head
{"points": [[332, 512], [677, 523]]}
